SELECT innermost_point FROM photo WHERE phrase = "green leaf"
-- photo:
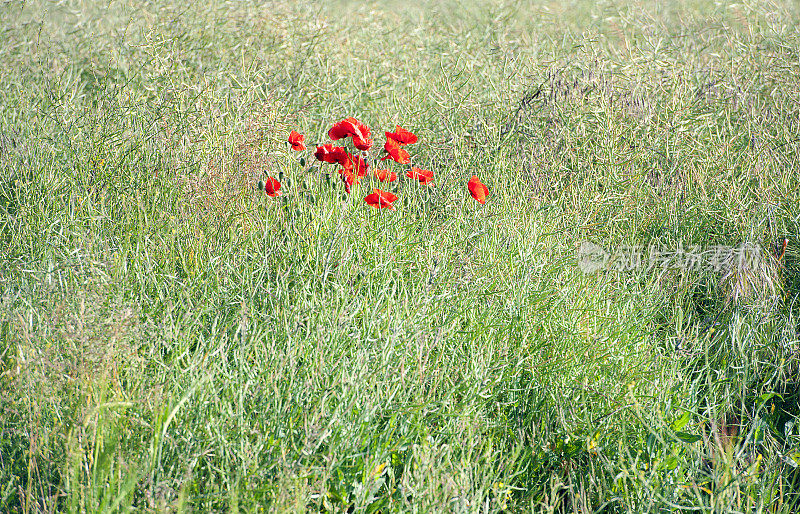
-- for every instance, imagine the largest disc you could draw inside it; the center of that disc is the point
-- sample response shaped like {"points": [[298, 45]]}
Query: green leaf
{"points": [[670, 462], [768, 396], [681, 422], [377, 506], [651, 444], [396, 461], [687, 438], [758, 433]]}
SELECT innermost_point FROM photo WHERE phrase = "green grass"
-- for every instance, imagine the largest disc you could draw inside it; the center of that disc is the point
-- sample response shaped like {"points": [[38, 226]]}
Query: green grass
{"points": [[171, 339]]}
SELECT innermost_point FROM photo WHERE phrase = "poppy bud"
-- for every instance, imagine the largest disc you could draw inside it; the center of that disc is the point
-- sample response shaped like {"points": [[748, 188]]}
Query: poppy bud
{"points": [[280, 176], [261, 185], [302, 161]]}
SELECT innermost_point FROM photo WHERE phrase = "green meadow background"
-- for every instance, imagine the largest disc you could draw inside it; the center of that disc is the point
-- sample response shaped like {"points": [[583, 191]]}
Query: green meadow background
{"points": [[173, 340]]}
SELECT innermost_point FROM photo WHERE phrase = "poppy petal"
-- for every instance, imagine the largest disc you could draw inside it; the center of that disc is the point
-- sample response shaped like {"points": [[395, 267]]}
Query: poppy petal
{"points": [[352, 127], [296, 140], [357, 163], [373, 200], [402, 136], [339, 130], [348, 178], [385, 175], [424, 176], [362, 144], [380, 199], [362, 167], [323, 153], [477, 189], [360, 130], [340, 156], [396, 153], [385, 195], [331, 154], [272, 187]]}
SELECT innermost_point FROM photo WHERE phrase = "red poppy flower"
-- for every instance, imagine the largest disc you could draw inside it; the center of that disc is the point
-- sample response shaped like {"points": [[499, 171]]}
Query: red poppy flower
{"points": [[380, 199], [362, 144], [357, 163], [402, 136], [341, 156], [348, 127], [352, 127], [346, 161], [396, 153], [296, 140], [349, 178], [385, 175], [340, 130], [362, 167], [477, 189], [331, 154], [272, 187], [323, 153], [424, 176]]}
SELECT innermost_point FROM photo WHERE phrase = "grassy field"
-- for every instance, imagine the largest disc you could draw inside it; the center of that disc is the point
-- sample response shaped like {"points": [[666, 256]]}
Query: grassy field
{"points": [[173, 339]]}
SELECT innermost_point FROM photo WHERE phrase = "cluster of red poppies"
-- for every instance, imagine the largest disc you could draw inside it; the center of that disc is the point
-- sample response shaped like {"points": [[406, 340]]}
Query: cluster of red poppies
{"points": [[354, 167]]}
